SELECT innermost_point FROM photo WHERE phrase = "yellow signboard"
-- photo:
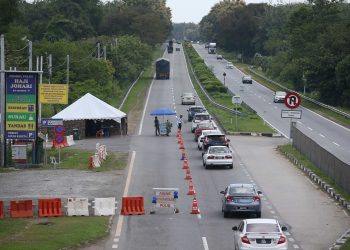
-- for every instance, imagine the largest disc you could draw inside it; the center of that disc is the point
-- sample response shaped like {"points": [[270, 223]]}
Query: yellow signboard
{"points": [[53, 93], [20, 108], [20, 126]]}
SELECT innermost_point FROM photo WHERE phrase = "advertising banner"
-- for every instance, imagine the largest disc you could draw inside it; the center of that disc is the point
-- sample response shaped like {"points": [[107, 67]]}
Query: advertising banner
{"points": [[21, 105]]}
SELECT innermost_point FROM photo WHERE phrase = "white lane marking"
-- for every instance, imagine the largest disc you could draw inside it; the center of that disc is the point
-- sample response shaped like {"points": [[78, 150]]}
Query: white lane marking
{"points": [[291, 239], [199, 216], [126, 189], [346, 214], [336, 144], [310, 128], [295, 246], [116, 240], [144, 108], [273, 212], [205, 243], [287, 233], [114, 246], [275, 107], [322, 135], [270, 103], [299, 122]]}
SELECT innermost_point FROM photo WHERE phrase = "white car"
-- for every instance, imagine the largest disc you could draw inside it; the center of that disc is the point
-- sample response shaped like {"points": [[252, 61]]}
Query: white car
{"points": [[218, 156], [197, 118], [279, 96], [188, 98], [260, 234], [229, 65], [247, 79], [204, 133], [219, 57]]}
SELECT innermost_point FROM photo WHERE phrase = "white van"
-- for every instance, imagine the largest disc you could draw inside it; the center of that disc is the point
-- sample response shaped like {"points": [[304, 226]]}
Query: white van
{"points": [[199, 117]]}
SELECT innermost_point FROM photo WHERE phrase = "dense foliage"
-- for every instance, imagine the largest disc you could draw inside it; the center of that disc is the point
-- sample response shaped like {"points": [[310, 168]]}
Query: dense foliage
{"points": [[299, 44], [129, 29], [185, 31]]}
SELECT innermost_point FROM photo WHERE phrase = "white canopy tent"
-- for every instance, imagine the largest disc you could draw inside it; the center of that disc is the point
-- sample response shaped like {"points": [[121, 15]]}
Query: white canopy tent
{"points": [[89, 107]]}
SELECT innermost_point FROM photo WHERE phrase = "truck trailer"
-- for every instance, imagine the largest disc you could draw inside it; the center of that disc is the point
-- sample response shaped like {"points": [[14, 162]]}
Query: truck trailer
{"points": [[212, 48], [170, 46], [162, 68]]}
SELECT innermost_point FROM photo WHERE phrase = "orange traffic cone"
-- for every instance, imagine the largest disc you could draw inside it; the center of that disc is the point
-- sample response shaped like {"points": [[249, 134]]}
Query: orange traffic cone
{"points": [[188, 174], [195, 209], [182, 145], [185, 165], [185, 161], [191, 190]]}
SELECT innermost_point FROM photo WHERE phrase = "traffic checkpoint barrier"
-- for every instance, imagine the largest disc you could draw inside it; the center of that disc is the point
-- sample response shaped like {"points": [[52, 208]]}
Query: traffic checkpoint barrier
{"points": [[99, 156], [133, 206], [191, 190], [165, 198], [21, 209], [77, 207], [105, 206], [2, 213], [70, 140], [50, 207]]}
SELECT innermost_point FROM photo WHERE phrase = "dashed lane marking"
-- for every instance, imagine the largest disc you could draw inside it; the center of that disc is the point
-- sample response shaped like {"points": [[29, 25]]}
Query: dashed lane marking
{"points": [[205, 243], [287, 233], [273, 212], [291, 239], [336, 144], [114, 246], [295, 246], [116, 240], [310, 128], [322, 135], [346, 214], [199, 216]]}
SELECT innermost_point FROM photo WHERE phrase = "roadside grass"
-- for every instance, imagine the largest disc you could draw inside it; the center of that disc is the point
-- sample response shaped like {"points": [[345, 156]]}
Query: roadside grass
{"points": [[302, 159], [249, 121], [51, 234], [346, 246], [79, 159], [307, 104]]}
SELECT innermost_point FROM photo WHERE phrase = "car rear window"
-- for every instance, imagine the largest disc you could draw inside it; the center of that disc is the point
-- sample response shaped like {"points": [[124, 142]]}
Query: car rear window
{"points": [[262, 228], [205, 125], [216, 137], [202, 117], [197, 110], [220, 150], [242, 190]]}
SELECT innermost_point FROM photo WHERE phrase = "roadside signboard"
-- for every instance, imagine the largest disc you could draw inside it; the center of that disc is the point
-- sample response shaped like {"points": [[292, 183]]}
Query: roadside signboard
{"points": [[51, 123], [59, 138], [296, 114], [53, 93], [165, 198], [292, 100], [21, 105], [236, 99], [59, 129]]}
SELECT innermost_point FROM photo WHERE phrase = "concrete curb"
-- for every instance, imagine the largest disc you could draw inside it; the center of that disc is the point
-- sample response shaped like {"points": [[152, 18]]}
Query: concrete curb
{"points": [[326, 188], [255, 134]]}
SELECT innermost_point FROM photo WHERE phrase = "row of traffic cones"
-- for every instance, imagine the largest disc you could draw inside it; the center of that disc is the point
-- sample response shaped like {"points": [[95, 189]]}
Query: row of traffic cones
{"points": [[191, 190]]}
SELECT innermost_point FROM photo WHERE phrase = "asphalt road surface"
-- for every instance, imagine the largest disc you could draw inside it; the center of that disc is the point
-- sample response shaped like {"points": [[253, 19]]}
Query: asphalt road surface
{"points": [[331, 136], [314, 221]]}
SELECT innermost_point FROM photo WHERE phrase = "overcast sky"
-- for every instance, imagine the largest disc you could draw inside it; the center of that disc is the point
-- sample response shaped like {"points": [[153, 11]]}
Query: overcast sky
{"points": [[194, 10]]}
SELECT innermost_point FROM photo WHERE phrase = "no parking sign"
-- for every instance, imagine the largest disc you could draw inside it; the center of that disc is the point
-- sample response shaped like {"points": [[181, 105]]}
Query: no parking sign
{"points": [[292, 100]]}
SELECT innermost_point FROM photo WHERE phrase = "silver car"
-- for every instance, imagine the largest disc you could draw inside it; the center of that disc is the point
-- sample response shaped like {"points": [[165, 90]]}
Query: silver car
{"points": [[279, 96], [188, 98], [204, 133], [197, 118], [241, 198], [260, 234], [218, 156]]}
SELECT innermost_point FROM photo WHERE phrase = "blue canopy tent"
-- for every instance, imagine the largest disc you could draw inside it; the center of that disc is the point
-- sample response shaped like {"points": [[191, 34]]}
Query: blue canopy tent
{"points": [[163, 112]]}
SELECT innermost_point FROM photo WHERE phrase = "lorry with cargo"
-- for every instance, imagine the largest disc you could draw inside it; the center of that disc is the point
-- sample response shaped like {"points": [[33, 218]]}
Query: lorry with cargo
{"points": [[212, 48], [162, 68], [170, 46]]}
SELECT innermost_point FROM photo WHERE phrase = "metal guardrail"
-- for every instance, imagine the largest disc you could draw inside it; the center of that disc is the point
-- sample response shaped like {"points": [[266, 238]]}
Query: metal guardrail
{"points": [[303, 96], [206, 93], [130, 88]]}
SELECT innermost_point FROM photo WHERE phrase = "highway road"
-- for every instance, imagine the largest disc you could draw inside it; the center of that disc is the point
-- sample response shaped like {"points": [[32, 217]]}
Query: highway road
{"points": [[330, 135], [314, 221]]}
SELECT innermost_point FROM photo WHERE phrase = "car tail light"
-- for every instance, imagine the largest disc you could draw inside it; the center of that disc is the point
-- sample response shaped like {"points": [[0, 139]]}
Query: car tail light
{"points": [[229, 198], [245, 239], [282, 240], [228, 157], [210, 157], [257, 198]]}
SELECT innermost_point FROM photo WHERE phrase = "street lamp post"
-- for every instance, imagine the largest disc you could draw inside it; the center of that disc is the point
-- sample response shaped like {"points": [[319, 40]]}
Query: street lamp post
{"points": [[224, 74]]}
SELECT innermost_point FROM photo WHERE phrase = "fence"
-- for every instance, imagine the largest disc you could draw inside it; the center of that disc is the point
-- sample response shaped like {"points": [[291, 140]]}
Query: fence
{"points": [[337, 170]]}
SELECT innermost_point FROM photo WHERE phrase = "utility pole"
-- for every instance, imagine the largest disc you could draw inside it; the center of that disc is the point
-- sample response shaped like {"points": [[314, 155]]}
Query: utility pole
{"points": [[49, 67], [30, 50], [104, 53], [98, 51], [2, 99], [67, 77]]}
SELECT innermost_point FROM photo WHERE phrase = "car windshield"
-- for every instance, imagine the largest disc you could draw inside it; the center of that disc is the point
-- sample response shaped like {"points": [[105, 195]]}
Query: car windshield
{"points": [[242, 190], [219, 150], [262, 228], [202, 117], [187, 94], [197, 110], [280, 93]]}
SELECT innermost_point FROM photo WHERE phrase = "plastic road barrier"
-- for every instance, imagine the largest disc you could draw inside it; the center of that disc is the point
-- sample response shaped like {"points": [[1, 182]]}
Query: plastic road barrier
{"points": [[133, 206], [21, 209], [105, 206], [77, 207], [50, 207]]}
